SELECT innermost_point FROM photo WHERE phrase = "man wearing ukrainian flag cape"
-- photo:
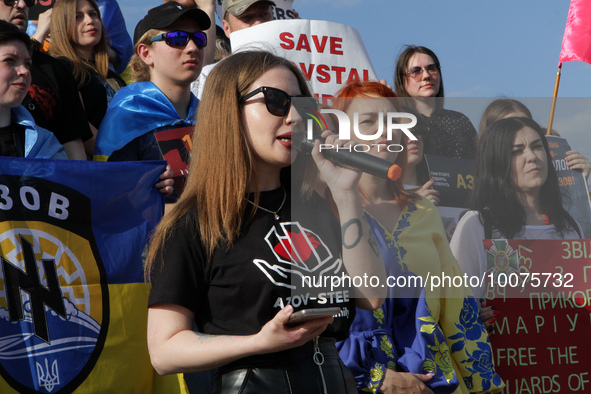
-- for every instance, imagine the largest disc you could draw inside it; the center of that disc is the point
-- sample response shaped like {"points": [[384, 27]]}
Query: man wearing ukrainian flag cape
{"points": [[135, 113], [169, 44]]}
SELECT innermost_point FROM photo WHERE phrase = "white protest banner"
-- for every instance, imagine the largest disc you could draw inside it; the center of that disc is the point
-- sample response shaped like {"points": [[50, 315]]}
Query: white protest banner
{"points": [[329, 54], [283, 9]]}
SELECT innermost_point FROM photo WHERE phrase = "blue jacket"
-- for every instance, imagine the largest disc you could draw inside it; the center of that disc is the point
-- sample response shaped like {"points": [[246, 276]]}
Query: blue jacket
{"points": [[116, 32], [39, 143]]}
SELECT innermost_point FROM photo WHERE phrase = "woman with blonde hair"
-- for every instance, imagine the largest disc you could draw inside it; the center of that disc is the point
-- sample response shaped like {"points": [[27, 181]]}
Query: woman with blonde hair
{"points": [[230, 255], [78, 38]]}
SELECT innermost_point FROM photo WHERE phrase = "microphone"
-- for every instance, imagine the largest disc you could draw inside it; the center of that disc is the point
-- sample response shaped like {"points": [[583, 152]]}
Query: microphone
{"points": [[345, 158]]}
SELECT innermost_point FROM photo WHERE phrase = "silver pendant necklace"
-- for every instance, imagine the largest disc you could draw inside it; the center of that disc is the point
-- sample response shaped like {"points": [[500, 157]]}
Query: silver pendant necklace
{"points": [[275, 214]]}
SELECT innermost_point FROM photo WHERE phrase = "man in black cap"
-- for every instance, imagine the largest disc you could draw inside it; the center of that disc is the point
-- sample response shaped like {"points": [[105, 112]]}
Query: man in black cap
{"points": [[169, 44], [53, 97], [166, 14], [209, 7]]}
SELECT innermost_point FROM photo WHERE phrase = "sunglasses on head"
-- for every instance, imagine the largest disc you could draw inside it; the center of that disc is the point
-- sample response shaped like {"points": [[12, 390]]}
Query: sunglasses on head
{"points": [[278, 102], [11, 3], [179, 38]]}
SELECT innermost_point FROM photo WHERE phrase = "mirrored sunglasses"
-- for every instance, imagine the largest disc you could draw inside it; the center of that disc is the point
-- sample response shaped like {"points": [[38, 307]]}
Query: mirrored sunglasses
{"points": [[179, 38]]}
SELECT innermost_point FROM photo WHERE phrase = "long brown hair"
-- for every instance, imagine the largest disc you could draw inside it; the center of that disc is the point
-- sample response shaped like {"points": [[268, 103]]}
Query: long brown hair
{"points": [[402, 64], [500, 108], [400, 77], [63, 23], [222, 165], [343, 100], [495, 194]]}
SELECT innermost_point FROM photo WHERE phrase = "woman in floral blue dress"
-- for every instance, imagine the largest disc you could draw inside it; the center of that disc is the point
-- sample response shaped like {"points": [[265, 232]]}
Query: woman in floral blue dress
{"points": [[422, 339]]}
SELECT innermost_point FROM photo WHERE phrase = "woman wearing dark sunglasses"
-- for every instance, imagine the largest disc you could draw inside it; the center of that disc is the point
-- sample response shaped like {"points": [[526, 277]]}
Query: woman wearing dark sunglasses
{"points": [[78, 38], [230, 255], [168, 56], [418, 75]]}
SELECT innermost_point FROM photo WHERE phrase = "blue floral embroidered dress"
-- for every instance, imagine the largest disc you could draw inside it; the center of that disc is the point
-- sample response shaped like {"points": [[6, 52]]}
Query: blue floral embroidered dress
{"points": [[421, 330]]}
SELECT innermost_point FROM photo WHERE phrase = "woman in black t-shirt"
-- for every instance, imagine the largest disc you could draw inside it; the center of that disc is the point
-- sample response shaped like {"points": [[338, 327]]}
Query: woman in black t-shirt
{"points": [[19, 135], [78, 38], [231, 254]]}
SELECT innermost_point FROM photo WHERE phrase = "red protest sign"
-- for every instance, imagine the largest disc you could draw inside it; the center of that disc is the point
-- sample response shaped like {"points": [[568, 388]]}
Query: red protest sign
{"points": [[175, 145], [539, 339]]}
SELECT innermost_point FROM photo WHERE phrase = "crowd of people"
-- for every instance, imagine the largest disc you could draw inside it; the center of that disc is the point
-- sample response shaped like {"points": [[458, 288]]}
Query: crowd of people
{"points": [[225, 258]]}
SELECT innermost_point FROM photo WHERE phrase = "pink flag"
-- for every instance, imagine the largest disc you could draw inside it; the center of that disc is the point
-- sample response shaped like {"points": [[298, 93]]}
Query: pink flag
{"points": [[576, 44]]}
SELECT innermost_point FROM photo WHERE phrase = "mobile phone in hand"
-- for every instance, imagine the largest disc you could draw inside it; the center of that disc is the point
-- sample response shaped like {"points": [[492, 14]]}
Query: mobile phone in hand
{"points": [[309, 314]]}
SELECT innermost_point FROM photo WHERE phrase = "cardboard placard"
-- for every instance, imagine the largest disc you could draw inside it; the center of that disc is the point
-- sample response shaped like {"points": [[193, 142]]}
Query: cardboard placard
{"points": [[329, 54], [175, 145]]}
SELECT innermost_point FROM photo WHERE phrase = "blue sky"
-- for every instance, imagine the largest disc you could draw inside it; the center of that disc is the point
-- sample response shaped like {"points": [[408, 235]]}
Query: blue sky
{"points": [[486, 48]]}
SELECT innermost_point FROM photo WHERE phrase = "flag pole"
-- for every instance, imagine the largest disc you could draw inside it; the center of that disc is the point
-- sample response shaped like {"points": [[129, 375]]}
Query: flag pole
{"points": [[554, 95]]}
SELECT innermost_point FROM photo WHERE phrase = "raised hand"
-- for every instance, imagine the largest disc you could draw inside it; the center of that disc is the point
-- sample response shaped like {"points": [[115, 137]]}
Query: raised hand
{"points": [[428, 192]]}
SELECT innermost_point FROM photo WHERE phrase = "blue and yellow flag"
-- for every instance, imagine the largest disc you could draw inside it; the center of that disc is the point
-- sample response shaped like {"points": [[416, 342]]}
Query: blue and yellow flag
{"points": [[73, 303], [141, 108]]}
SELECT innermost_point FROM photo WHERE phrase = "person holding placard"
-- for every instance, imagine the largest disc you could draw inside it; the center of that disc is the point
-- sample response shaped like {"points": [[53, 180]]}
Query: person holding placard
{"points": [[416, 173], [515, 196], [507, 108], [169, 43], [241, 14], [236, 15]]}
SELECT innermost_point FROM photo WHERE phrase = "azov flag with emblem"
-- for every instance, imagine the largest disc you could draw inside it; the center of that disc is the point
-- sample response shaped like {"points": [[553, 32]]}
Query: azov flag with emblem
{"points": [[73, 303]]}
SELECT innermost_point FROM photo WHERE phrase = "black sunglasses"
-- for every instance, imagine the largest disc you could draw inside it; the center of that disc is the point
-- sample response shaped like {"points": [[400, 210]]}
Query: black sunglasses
{"points": [[278, 102], [11, 3], [179, 38]]}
